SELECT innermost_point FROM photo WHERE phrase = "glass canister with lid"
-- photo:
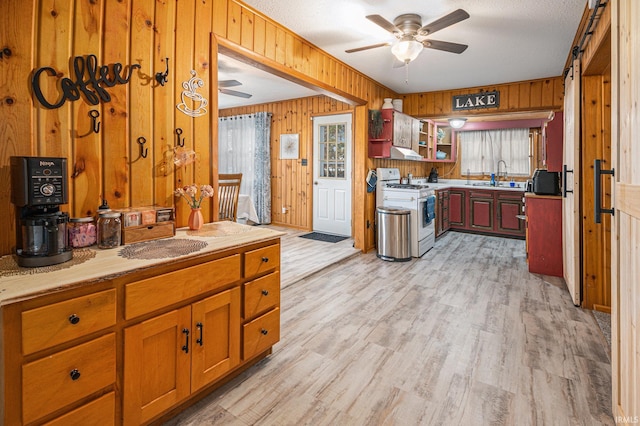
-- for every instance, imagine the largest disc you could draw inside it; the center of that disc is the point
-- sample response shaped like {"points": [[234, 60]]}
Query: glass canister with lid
{"points": [[109, 229], [82, 232]]}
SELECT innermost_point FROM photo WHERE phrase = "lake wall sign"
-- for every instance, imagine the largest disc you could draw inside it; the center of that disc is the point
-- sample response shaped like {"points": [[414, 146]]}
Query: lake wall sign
{"points": [[476, 101], [90, 81]]}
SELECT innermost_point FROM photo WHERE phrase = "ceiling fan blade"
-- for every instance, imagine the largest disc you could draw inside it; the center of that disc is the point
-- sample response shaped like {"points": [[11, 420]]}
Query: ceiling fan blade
{"points": [[380, 21], [373, 46], [450, 19], [234, 93], [445, 45], [229, 83]]}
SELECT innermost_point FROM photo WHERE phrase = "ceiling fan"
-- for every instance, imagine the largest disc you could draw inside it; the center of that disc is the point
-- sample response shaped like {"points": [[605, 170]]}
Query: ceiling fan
{"points": [[222, 88], [412, 35]]}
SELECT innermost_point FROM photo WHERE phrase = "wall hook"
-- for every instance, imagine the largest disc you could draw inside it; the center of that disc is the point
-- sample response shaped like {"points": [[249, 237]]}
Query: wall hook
{"points": [[94, 114], [161, 77], [143, 151], [179, 140]]}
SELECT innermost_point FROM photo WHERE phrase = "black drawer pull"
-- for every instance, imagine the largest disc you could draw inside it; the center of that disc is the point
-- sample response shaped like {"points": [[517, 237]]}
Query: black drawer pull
{"points": [[265, 259], [185, 348], [597, 189], [200, 341], [265, 332], [265, 292], [75, 374], [74, 319]]}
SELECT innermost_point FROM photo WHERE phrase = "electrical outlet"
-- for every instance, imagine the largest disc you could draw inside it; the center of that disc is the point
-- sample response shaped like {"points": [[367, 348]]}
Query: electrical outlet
{"points": [[284, 210]]}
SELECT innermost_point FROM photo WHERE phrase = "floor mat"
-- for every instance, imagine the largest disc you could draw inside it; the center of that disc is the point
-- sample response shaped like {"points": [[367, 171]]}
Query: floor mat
{"points": [[319, 236], [604, 322]]}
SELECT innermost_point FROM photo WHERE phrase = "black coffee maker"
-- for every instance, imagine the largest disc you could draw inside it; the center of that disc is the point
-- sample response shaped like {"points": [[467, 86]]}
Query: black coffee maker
{"points": [[38, 188]]}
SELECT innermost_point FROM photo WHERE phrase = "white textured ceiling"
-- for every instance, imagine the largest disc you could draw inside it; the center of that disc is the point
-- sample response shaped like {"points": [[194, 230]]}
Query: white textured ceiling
{"points": [[509, 40]]}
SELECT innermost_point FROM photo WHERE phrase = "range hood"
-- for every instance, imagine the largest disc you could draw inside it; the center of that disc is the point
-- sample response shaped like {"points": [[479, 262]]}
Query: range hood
{"points": [[398, 153]]}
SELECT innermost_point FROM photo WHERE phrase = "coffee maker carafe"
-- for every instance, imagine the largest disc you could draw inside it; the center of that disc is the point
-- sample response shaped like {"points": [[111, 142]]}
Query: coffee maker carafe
{"points": [[38, 188]]}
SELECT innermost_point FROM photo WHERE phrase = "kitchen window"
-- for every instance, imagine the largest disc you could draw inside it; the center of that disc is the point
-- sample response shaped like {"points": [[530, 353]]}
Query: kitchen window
{"points": [[481, 150]]}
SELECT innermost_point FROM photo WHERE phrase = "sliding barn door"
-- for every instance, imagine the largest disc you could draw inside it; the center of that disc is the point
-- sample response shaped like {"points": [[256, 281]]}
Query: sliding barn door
{"points": [[625, 232], [571, 202]]}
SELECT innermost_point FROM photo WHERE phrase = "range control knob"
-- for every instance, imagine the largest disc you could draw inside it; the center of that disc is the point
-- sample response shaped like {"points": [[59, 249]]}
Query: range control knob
{"points": [[47, 189]]}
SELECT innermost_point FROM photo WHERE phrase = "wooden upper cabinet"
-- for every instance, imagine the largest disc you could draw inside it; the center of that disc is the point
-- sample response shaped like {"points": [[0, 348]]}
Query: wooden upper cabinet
{"points": [[553, 143]]}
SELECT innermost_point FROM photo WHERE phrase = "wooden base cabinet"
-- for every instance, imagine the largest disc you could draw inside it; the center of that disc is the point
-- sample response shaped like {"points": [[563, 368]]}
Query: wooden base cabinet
{"points": [[457, 203], [544, 234], [168, 357], [137, 346], [442, 212]]}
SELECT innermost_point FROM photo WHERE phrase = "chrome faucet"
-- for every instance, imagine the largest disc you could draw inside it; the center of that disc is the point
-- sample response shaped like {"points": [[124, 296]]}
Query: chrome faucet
{"points": [[498, 173]]}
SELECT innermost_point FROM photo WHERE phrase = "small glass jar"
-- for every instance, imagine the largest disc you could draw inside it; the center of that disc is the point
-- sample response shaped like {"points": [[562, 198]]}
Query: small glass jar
{"points": [[109, 229], [82, 232]]}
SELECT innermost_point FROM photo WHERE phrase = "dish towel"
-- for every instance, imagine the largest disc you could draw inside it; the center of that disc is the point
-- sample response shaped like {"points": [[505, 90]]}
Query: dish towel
{"points": [[429, 209]]}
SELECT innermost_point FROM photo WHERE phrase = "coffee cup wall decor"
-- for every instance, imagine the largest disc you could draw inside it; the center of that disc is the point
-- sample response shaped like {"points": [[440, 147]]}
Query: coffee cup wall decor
{"points": [[193, 103]]}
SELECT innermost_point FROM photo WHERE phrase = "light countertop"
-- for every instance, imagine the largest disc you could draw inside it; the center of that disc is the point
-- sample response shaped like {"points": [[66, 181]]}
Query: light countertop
{"points": [[18, 283], [475, 184]]}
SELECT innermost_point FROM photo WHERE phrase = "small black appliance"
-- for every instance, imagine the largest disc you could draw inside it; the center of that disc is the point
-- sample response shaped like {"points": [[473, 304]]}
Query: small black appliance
{"points": [[433, 176], [38, 188], [546, 182]]}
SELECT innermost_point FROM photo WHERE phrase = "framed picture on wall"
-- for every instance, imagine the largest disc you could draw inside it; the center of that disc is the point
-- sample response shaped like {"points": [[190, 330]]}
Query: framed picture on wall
{"points": [[289, 146]]}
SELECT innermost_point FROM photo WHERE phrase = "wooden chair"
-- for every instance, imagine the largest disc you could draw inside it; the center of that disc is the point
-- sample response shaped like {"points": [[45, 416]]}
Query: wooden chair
{"points": [[228, 192]]}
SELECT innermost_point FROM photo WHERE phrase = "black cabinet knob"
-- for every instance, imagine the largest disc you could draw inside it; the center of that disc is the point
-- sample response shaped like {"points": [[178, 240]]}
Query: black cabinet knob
{"points": [[74, 319], [265, 292], [265, 259], [75, 374], [265, 332]]}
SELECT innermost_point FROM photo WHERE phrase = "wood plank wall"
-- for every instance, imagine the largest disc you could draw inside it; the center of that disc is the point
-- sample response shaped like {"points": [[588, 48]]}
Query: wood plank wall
{"points": [[291, 181], [108, 164], [535, 95]]}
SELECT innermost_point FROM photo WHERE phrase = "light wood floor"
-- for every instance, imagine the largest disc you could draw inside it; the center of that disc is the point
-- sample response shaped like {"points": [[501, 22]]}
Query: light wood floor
{"points": [[464, 336]]}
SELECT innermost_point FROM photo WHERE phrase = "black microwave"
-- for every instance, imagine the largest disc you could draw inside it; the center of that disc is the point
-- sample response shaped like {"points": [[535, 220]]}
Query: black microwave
{"points": [[546, 182]]}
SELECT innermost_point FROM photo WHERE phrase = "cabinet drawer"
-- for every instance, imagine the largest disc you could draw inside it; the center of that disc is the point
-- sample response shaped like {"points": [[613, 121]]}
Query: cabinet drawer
{"points": [[261, 333], [261, 295], [154, 293], [52, 382], [261, 260], [61, 322], [101, 411]]}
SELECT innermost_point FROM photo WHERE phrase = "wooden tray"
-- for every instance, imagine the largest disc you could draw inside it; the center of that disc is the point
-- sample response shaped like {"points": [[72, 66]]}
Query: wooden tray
{"points": [[136, 234]]}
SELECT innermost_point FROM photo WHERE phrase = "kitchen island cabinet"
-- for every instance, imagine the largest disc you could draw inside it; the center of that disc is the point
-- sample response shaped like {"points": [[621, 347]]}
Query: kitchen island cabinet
{"points": [[128, 341]]}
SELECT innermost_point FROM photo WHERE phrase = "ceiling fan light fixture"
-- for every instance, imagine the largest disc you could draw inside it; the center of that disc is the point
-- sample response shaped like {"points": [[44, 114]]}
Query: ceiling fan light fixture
{"points": [[457, 123], [407, 50]]}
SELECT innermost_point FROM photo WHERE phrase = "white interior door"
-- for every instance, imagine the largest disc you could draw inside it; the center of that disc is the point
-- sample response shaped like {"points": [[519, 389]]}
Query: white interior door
{"points": [[571, 203], [625, 225], [332, 174]]}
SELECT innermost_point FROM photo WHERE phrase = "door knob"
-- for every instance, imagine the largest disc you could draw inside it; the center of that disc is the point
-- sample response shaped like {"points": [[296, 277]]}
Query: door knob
{"points": [[315, 183]]}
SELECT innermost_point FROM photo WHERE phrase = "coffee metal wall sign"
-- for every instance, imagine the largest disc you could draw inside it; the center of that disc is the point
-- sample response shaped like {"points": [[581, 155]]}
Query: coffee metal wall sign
{"points": [[91, 81], [476, 101]]}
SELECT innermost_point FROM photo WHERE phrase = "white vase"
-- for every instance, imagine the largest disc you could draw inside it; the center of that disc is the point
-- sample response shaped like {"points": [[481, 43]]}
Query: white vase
{"points": [[387, 103]]}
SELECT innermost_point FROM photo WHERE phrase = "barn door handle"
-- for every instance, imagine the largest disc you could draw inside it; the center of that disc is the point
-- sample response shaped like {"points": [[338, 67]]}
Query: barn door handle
{"points": [[564, 181], [597, 187]]}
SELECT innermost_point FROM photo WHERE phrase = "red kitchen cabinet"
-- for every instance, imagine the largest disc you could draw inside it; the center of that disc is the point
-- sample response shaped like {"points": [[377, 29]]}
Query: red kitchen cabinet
{"points": [[481, 210], [554, 132], [544, 234], [442, 214], [508, 208], [457, 216]]}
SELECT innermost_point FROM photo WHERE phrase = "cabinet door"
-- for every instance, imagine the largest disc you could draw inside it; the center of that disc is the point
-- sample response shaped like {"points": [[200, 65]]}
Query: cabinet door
{"points": [[481, 211], [402, 128], [156, 365], [553, 142], [507, 213], [457, 217], [216, 338]]}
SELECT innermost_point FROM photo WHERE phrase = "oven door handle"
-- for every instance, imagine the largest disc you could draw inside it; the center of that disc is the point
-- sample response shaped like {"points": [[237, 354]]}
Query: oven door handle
{"points": [[399, 199]]}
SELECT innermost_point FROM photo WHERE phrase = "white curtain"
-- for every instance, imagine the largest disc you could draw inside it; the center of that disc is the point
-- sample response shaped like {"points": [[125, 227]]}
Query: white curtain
{"points": [[483, 149], [244, 147]]}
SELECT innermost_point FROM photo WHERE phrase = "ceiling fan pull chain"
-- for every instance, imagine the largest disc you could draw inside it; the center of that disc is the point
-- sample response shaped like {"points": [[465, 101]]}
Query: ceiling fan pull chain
{"points": [[406, 75]]}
